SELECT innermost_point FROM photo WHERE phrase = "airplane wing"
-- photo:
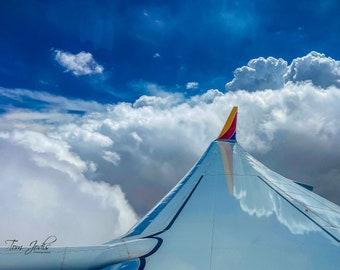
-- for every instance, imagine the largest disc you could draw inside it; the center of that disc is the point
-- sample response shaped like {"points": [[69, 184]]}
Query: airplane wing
{"points": [[228, 212]]}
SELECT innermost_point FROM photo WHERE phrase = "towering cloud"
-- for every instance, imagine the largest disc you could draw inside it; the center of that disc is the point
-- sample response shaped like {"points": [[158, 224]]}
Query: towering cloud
{"points": [[272, 73], [320, 70], [259, 74]]}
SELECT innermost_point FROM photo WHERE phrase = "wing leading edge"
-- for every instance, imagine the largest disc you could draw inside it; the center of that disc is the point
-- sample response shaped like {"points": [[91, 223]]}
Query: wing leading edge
{"points": [[229, 211]]}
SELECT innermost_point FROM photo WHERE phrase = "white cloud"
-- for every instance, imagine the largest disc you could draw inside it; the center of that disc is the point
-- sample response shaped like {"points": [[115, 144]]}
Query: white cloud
{"points": [[112, 157], [142, 149], [79, 64], [321, 70], [207, 97], [47, 188], [156, 55], [51, 101], [259, 74], [192, 85], [272, 73], [39, 143]]}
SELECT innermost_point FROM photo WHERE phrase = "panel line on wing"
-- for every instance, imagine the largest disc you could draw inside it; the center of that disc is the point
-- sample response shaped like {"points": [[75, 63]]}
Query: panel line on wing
{"points": [[183, 205], [152, 215], [160, 240]]}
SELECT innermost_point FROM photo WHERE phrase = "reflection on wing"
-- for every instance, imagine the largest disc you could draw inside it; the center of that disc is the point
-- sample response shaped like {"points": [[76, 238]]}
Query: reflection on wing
{"points": [[228, 212], [227, 157]]}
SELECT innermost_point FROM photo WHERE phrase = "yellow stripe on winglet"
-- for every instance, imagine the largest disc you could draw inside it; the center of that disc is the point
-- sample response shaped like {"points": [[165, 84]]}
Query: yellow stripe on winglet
{"points": [[228, 122]]}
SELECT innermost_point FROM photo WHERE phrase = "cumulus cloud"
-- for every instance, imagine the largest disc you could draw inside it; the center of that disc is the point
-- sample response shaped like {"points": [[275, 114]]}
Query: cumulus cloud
{"points": [[103, 163], [111, 157], [271, 73], [46, 192], [321, 70], [79, 64], [259, 74], [192, 85]]}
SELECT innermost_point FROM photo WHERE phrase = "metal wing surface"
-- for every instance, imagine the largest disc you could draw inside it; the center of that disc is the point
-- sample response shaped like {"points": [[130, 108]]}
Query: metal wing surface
{"points": [[228, 212], [231, 212]]}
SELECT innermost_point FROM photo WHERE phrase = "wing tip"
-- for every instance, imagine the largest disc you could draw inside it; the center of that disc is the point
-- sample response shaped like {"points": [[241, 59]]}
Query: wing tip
{"points": [[228, 131]]}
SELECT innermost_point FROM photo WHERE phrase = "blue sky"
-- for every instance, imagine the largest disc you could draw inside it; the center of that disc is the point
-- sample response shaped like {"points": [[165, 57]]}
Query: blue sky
{"points": [[168, 43], [105, 105]]}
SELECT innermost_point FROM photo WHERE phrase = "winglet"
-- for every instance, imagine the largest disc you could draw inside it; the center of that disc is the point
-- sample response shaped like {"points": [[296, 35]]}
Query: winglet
{"points": [[229, 130]]}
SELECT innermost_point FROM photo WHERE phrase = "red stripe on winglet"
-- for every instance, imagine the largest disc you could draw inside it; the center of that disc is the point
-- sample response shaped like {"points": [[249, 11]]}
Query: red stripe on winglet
{"points": [[231, 131]]}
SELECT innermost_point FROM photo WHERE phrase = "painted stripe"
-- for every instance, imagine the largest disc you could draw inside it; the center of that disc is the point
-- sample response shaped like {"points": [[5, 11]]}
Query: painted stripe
{"points": [[230, 133], [229, 129]]}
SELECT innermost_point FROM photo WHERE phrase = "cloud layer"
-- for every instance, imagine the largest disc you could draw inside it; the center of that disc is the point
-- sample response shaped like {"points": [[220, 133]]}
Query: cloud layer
{"points": [[86, 176], [46, 192]]}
